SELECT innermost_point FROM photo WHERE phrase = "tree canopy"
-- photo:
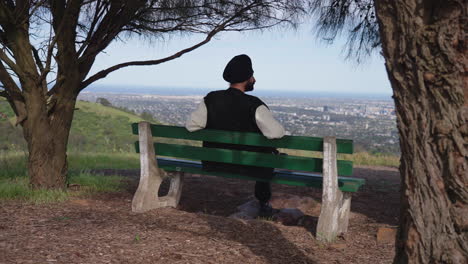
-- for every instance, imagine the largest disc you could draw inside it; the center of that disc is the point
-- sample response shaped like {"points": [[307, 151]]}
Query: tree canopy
{"points": [[354, 20]]}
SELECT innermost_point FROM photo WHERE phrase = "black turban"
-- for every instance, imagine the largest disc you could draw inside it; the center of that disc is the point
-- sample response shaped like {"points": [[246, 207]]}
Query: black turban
{"points": [[238, 69]]}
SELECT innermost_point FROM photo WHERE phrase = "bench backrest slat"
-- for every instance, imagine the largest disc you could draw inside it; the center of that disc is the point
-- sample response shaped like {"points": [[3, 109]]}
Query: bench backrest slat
{"points": [[345, 168], [287, 142]]}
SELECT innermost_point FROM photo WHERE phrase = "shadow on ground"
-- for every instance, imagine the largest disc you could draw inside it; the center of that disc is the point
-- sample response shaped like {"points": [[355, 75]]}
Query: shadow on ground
{"points": [[378, 199]]}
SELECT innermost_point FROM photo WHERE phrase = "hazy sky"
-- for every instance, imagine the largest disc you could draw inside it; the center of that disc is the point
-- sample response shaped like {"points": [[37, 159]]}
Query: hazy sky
{"points": [[282, 60]]}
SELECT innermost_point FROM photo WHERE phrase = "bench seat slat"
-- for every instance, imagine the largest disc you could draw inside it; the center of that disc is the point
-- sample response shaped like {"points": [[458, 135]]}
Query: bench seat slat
{"points": [[288, 142], [345, 168], [346, 184]]}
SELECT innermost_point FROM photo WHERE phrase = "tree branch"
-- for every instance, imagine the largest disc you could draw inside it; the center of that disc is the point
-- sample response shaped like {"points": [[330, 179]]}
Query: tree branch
{"points": [[104, 73], [37, 58], [107, 30], [50, 52], [36, 6], [11, 64], [3, 93], [57, 9], [7, 82], [13, 95], [5, 11], [5, 44], [217, 29], [96, 17]]}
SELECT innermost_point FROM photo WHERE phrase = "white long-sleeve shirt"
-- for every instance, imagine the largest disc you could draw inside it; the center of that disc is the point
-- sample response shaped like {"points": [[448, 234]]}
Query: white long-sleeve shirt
{"points": [[267, 124]]}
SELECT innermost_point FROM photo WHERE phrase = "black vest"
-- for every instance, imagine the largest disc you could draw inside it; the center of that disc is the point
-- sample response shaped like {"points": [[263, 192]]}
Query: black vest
{"points": [[233, 110]]}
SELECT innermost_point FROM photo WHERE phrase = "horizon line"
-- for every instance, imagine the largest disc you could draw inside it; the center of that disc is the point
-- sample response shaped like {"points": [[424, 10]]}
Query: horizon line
{"points": [[206, 89]]}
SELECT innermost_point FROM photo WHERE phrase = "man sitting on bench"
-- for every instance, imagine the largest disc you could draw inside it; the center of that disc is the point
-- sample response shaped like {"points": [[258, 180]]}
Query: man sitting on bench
{"points": [[233, 110]]}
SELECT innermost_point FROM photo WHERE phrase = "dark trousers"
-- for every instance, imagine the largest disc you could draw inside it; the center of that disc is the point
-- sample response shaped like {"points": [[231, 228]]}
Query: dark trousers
{"points": [[262, 189]]}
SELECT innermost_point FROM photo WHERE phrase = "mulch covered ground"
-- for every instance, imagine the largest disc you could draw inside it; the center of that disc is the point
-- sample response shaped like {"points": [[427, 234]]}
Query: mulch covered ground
{"points": [[102, 228]]}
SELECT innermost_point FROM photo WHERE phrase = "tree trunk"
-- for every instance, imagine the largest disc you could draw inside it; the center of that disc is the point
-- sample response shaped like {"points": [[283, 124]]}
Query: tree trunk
{"points": [[46, 131], [425, 52]]}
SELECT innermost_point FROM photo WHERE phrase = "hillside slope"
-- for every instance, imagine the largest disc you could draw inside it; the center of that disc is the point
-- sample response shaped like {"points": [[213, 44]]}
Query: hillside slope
{"points": [[95, 128]]}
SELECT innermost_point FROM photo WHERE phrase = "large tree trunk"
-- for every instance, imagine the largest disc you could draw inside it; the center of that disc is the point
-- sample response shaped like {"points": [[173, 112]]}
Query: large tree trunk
{"points": [[424, 47], [46, 131]]}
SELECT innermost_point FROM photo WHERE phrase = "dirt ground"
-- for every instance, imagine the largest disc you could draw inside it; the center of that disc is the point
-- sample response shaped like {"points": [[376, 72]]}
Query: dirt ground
{"points": [[102, 228]]}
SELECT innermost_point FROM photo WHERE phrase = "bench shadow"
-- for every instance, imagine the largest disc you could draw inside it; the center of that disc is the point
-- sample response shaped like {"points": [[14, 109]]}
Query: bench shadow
{"points": [[261, 237], [378, 199]]}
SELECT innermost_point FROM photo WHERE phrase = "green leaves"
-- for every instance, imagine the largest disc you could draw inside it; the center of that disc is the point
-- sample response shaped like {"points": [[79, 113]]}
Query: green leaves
{"points": [[353, 18]]}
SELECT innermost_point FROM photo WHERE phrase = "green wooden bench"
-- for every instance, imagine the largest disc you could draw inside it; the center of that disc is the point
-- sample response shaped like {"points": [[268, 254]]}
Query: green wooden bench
{"points": [[291, 170]]}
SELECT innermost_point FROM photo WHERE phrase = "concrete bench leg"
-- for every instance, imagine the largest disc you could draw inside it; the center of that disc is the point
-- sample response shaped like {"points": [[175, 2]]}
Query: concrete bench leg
{"points": [[146, 196], [334, 214]]}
